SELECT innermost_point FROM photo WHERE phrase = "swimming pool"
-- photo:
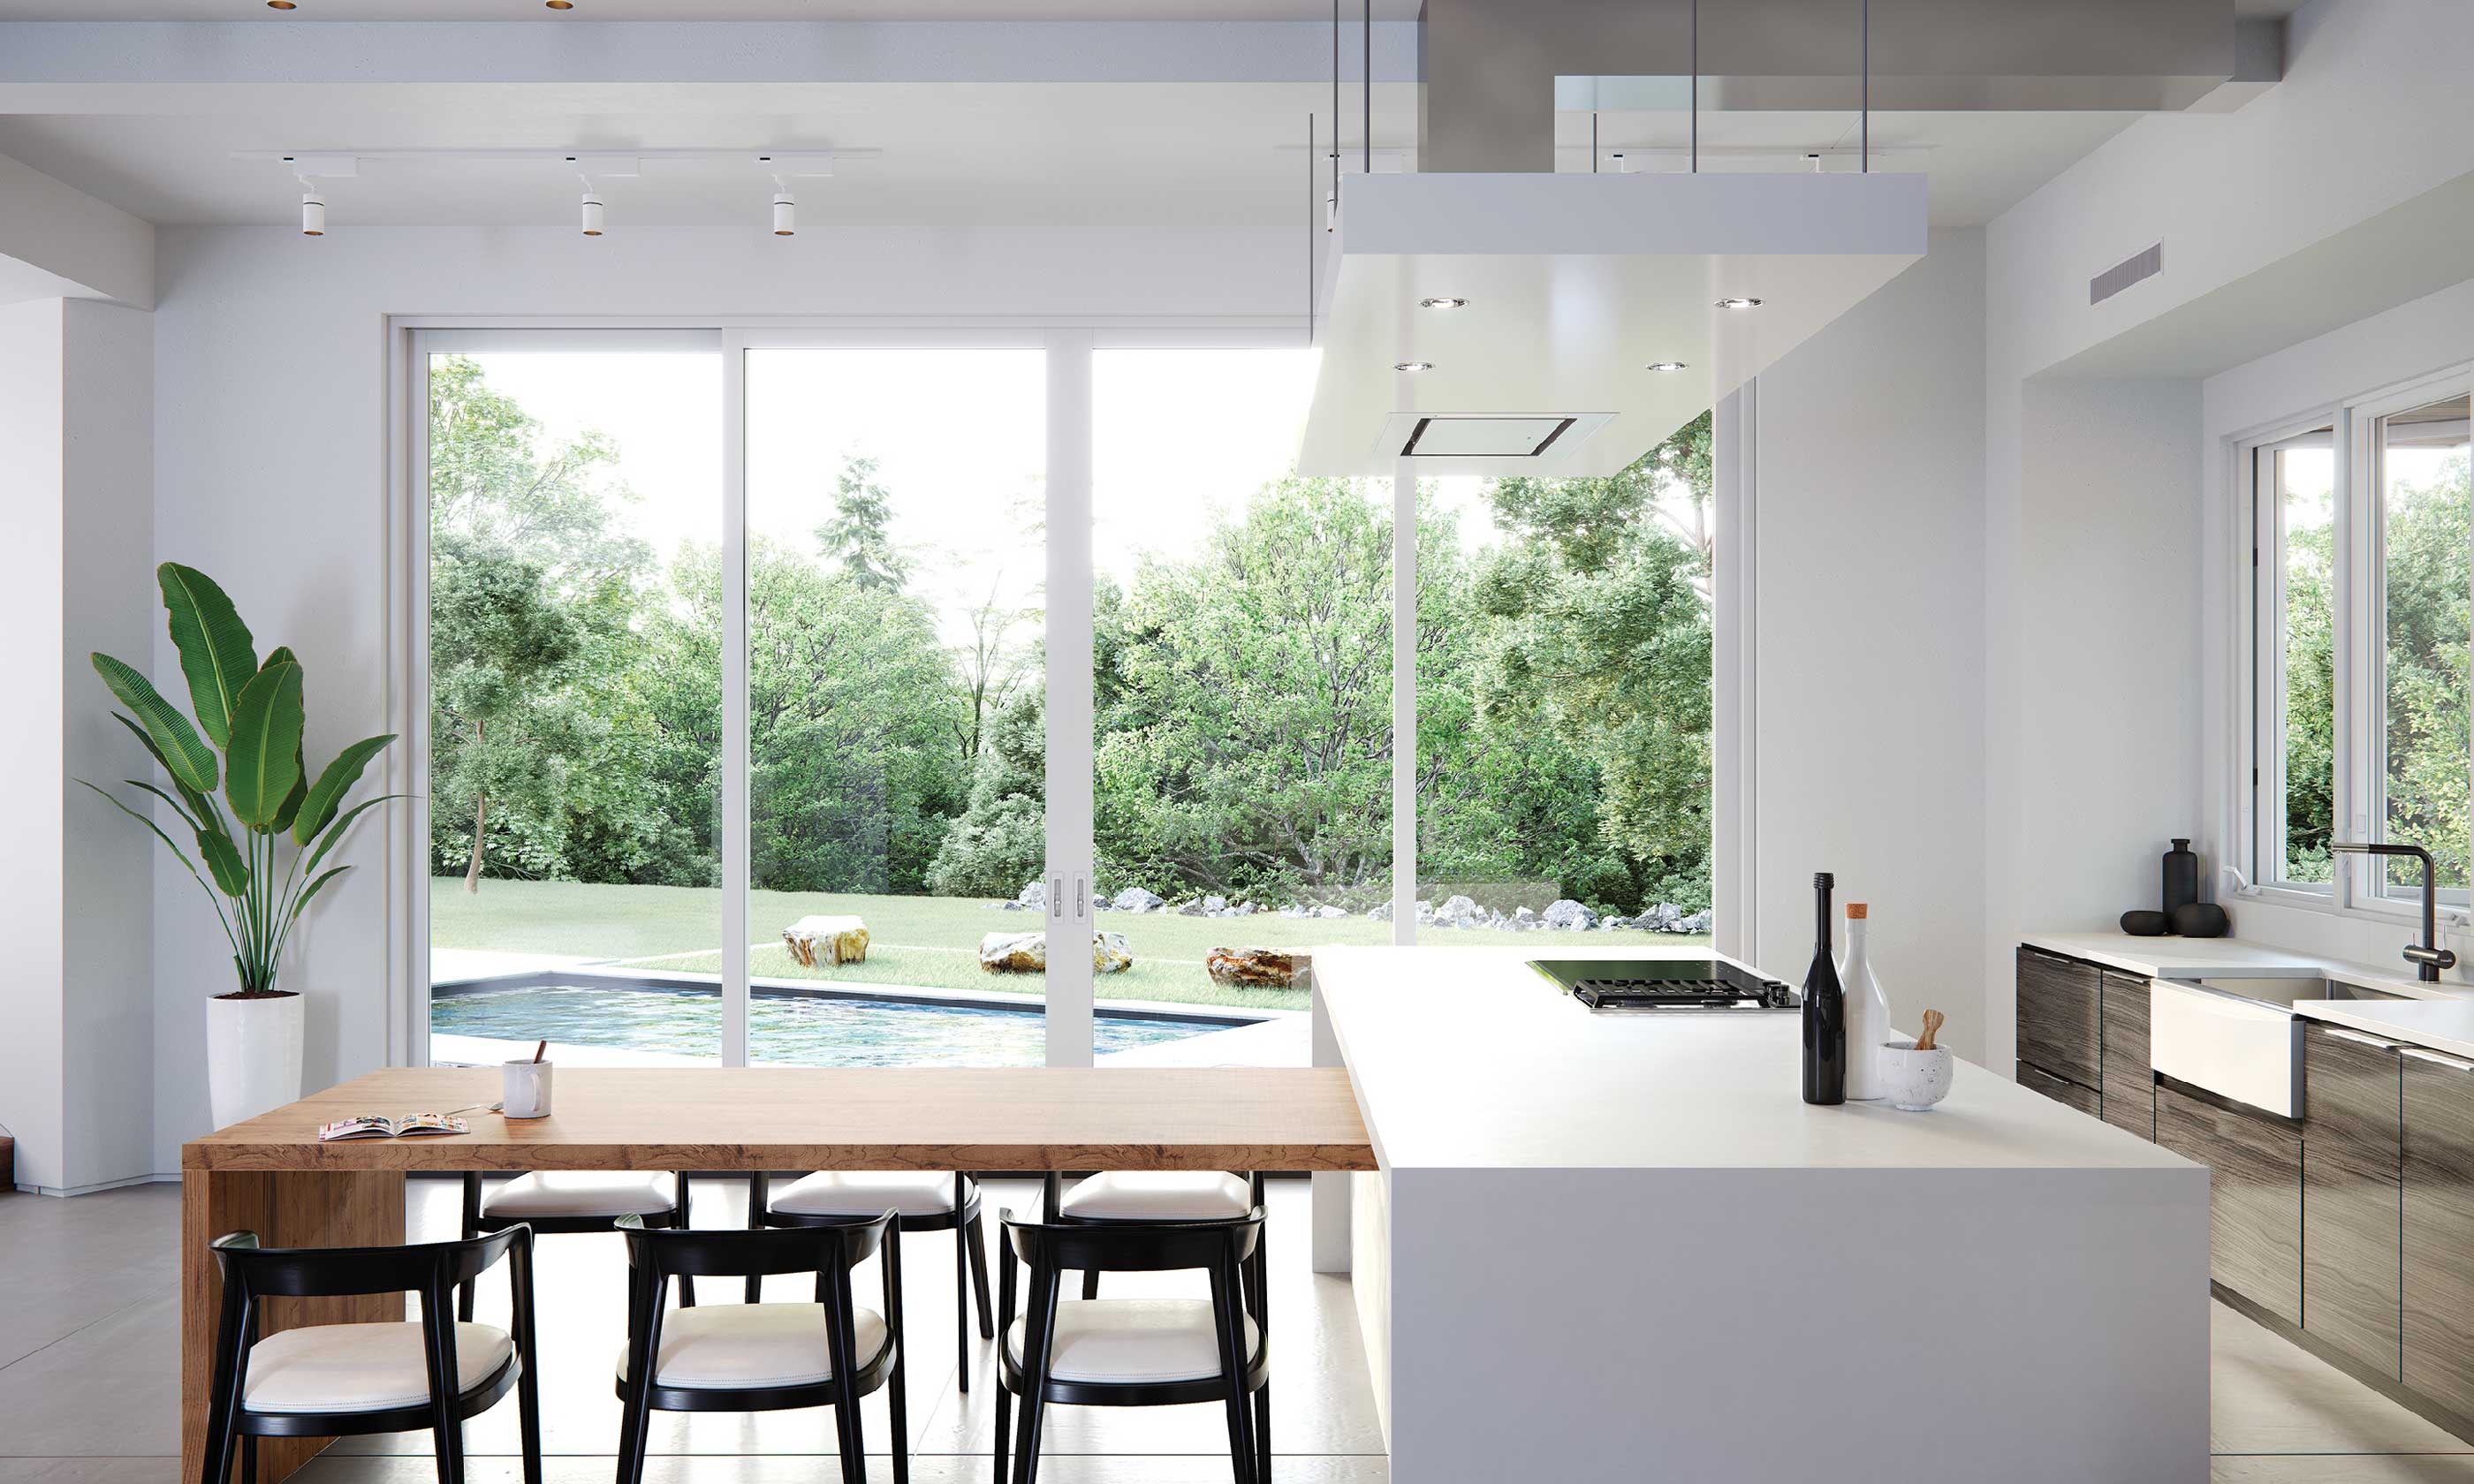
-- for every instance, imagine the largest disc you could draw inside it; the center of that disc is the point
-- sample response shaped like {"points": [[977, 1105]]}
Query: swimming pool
{"points": [[783, 1030]]}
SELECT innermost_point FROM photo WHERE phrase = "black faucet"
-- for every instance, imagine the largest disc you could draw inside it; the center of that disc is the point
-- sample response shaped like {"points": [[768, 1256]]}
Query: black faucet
{"points": [[2428, 957]]}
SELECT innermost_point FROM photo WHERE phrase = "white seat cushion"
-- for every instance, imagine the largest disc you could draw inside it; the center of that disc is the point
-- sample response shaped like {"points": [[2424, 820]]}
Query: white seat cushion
{"points": [[1158, 1195], [869, 1194], [1132, 1341], [736, 1347], [581, 1193], [362, 1368]]}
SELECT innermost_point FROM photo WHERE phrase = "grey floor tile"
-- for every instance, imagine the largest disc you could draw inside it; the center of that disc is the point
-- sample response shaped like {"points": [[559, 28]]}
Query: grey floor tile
{"points": [[89, 1470], [113, 1388], [2268, 1397], [2343, 1469], [330, 1469], [97, 1254]]}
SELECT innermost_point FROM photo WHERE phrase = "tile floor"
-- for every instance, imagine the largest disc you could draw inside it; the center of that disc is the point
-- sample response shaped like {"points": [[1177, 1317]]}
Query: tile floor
{"points": [[90, 1379]]}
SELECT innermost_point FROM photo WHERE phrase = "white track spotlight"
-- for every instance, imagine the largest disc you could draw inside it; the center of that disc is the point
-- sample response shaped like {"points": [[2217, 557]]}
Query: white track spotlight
{"points": [[592, 211], [313, 215], [786, 210]]}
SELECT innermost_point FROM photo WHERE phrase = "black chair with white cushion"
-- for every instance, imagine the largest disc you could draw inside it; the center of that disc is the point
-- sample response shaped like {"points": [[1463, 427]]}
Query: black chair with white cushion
{"points": [[1154, 1195], [925, 1200], [557, 1203], [347, 1379], [1133, 1351], [763, 1357]]}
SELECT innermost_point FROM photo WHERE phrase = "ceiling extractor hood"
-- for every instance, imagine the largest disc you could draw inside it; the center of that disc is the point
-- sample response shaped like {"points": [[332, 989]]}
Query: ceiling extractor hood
{"points": [[1590, 325]]}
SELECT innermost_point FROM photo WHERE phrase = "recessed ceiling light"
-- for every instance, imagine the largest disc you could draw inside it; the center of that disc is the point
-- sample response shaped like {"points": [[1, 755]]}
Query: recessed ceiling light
{"points": [[1739, 303], [280, 4], [1664, 366], [1413, 366], [560, 5], [1443, 301]]}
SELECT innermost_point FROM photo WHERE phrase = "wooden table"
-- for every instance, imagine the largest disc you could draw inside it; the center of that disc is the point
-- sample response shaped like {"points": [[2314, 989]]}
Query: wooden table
{"points": [[271, 1176]]}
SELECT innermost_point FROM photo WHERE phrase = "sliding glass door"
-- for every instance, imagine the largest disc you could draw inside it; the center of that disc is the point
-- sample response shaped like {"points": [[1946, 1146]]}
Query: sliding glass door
{"points": [[572, 523]]}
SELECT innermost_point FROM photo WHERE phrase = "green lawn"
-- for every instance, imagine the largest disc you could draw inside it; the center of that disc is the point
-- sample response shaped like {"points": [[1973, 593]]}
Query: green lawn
{"points": [[915, 942]]}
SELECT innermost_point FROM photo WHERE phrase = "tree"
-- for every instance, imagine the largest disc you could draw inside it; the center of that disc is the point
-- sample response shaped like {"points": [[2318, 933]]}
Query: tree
{"points": [[1001, 840], [859, 535], [2426, 530]]}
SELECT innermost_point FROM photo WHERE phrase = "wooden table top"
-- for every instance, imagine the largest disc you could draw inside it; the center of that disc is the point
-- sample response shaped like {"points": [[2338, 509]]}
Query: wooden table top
{"points": [[814, 1118]]}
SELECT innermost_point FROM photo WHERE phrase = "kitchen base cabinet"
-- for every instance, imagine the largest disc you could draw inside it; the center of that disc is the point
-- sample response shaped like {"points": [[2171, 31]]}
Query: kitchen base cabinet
{"points": [[2126, 1080], [2060, 1015], [2254, 1194], [2439, 1351], [2068, 1093], [2352, 1205]]}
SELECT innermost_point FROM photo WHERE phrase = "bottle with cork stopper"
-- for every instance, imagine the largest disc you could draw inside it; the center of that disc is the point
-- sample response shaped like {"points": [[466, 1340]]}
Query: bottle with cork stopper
{"points": [[1868, 1011]]}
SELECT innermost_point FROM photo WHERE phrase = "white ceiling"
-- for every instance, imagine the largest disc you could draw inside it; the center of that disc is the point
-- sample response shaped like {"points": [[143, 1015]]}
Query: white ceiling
{"points": [[953, 154]]}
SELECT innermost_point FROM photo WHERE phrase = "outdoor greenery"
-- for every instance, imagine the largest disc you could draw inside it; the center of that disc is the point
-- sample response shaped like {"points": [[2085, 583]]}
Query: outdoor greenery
{"points": [[2427, 530], [1243, 692], [252, 714]]}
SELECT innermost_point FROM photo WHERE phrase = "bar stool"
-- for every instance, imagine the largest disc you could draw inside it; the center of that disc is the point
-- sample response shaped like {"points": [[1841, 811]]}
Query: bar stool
{"points": [[925, 1201], [557, 1203], [347, 1379], [1134, 1351], [763, 1357]]}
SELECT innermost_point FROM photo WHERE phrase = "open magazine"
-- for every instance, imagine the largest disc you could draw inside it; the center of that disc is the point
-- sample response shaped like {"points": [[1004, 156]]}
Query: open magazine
{"points": [[371, 1126]]}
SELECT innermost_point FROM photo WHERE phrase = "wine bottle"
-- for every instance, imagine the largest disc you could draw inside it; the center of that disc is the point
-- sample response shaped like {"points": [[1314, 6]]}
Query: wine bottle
{"points": [[1868, 1012], [1825, 1011]]}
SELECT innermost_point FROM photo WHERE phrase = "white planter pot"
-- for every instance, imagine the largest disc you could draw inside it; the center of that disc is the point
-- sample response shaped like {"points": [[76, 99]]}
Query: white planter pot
{"points": [[252, 1056]]}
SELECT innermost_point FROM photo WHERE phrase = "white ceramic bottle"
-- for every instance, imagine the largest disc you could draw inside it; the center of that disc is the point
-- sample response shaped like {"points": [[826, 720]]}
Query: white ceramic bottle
{"points": [[1868, 1012]]}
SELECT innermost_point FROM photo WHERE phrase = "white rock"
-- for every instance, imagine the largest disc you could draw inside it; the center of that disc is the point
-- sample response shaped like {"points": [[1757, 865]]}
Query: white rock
{"points": [[1134, 898], [1566, 913], [1033, 895]]}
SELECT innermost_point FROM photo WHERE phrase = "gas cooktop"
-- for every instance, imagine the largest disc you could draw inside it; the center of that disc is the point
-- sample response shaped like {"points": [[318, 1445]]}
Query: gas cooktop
{"points": [[1665, 984]]}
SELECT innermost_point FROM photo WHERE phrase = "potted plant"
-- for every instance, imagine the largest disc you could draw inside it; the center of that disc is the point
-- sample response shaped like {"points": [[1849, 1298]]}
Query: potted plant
{"points": [[250, 711]]}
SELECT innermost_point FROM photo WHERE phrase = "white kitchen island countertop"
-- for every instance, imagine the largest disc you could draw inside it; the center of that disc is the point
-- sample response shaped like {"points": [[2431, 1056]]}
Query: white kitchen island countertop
{"points": [[1615, 1247]]}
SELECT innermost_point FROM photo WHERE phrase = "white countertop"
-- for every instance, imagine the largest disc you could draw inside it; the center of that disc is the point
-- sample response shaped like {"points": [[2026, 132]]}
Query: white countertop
{"points": [[2439, 1024], [1465, 1058], [2438, 1016]]}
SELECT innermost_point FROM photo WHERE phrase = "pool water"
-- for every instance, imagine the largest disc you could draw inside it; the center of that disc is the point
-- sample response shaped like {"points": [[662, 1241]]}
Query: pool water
{"points": [[783, 1030]]}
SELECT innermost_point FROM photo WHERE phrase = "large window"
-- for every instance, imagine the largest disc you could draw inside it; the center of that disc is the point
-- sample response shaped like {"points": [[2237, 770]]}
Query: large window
{"points": [[945, 698], [2362, 705]]}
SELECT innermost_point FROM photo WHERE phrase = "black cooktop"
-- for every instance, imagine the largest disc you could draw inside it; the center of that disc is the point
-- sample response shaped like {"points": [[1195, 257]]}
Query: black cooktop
{"points": [[1664, 984]]}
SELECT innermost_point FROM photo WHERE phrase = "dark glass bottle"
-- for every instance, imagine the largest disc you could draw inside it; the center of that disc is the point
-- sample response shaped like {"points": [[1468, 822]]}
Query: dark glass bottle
{"points": [[1825, 1011], [2181, 878]]}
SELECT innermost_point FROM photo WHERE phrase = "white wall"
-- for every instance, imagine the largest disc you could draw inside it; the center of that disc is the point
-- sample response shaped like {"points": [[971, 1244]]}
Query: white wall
{"points": [[1870, 743], [31, 352], [270, 432], [75, 392]]}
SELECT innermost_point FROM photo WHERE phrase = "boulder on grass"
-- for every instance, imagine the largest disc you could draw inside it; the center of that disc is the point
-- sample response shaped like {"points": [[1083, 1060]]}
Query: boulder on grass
{"points": [[1570, 914], [1256, 968], [1134, 898], [1026, 953], [831, 939]]}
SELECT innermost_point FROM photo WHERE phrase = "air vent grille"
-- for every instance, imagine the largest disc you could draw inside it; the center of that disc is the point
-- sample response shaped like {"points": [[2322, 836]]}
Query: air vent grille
{"points": [[1484, 437], [2123, 275]]}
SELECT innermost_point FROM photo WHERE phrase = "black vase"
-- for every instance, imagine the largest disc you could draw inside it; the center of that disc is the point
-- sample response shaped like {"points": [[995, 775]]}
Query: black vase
{"points": [[2181, 878]]}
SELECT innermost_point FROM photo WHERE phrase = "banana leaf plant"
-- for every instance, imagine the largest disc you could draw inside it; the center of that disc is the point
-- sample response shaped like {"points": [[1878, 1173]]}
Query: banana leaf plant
{"points": [[251, 712]]}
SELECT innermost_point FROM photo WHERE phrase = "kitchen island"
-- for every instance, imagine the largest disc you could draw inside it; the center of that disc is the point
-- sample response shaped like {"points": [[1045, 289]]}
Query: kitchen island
{"points": [[1622, 1247]]}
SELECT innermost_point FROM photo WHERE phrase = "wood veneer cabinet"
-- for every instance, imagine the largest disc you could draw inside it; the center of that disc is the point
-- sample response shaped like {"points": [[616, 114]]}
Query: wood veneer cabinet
{"points": [[2127, 1079], [2061, 1017], [2439, 1220], [2254, 1194], [2352, 1201], [2069, 1095]]}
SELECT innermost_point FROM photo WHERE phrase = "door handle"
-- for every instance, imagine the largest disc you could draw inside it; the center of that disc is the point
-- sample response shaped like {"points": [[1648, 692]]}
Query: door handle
{"points": [[2436, 1059], [1081, 897], [2358, 1039], [1056, 897]]}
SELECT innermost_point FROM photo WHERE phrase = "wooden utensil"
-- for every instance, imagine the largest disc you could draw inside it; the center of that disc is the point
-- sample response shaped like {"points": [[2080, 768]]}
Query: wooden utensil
{"points": [[1932, 1025], [541, 1051]]}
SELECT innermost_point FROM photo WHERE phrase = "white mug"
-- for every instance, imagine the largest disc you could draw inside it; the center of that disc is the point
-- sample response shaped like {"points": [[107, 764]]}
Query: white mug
{"points": [[525, 1088]]}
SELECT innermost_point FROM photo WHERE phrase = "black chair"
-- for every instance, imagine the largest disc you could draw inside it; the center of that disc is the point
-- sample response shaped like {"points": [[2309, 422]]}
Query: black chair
{"points": [[347, 1379], [925, 1201], [763, 1357], [563, 1203], [1154, 1195], [1134, 1351]]}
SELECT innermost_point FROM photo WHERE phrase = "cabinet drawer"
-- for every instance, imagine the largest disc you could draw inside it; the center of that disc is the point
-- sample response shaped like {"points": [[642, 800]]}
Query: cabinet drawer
{"points": [[2254, 1196], [2059, 1015], [2350, 1089], [2439, 1124], [2128, 1083], [2061, 1090], [2352, 1225]]}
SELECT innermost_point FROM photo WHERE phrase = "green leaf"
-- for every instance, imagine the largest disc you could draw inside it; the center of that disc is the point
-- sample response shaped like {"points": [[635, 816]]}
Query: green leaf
{"points": [[223, 858], [177, 853], [311, 890], [333, 784], [175, 743], [290, 808], [214, 644], [266, 751], [177, 806], [335, 832], [281, 654], [201, 809]]}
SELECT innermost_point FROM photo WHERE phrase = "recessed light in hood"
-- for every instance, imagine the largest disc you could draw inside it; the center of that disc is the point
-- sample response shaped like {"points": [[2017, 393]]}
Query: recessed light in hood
{"points": [[1413, 366], [1739, 303], [1666, 365], [1443, 301]]}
